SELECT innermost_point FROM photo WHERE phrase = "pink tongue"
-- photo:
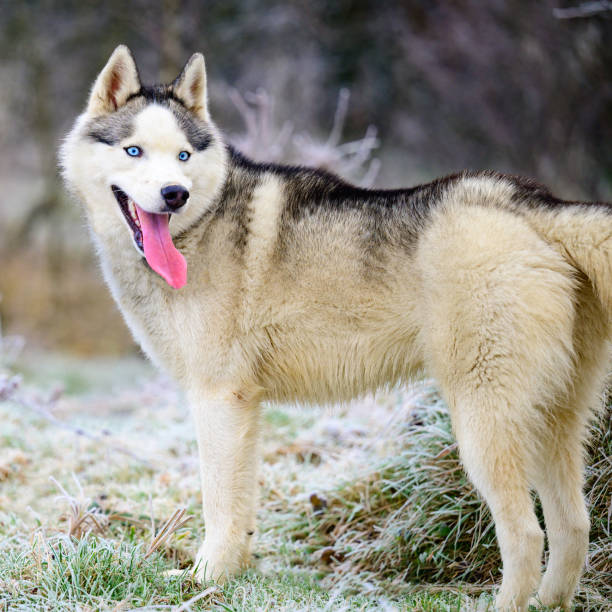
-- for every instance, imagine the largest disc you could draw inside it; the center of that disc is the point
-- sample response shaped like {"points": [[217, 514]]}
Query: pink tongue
{"points": [[159, 250]]}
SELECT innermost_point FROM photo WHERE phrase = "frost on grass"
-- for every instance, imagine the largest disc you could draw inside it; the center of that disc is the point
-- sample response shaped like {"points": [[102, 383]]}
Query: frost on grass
{"points": [[78, 523], [362, 506]]}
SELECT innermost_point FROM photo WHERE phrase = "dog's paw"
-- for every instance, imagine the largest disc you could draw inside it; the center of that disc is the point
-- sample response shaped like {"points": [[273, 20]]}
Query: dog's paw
{"points": [[506, 603], [552, 604], [218, 565], [203, 572]]}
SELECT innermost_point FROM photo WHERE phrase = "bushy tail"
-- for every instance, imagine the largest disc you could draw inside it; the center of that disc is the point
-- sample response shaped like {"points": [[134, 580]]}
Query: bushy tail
{"points": [[584, 233]]}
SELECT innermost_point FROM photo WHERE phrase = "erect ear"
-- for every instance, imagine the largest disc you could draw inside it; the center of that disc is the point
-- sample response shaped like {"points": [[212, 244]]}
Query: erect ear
{"points": [[190, 86], [115, 84]]}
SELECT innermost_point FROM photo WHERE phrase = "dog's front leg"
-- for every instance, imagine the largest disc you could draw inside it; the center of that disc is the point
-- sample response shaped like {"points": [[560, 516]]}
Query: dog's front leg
{"points": [[227, 427]]}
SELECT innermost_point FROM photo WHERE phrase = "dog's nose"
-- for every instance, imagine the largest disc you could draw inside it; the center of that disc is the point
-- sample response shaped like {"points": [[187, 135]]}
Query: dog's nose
{"points": [[175, 196]]}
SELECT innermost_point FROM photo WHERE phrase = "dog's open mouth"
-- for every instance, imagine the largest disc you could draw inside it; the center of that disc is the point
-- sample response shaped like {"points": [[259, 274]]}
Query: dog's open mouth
{"points": [[128, 208], [152, 237]]}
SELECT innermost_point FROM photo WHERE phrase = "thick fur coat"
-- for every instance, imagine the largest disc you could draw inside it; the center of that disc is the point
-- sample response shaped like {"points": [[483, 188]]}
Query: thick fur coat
{"points": [[301, 287]]}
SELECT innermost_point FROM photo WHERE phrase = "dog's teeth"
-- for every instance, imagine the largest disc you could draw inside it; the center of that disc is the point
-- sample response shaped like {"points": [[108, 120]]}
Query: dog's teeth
{"points": [[132, 209]]}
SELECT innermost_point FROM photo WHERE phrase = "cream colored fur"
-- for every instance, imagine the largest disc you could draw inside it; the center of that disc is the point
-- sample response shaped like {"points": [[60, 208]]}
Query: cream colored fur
{"points": [[507, 306]]}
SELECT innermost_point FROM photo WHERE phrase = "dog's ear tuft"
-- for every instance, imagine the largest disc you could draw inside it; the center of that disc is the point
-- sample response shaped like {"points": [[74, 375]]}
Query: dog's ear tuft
{"points": [[115, 84], [190, 86]]}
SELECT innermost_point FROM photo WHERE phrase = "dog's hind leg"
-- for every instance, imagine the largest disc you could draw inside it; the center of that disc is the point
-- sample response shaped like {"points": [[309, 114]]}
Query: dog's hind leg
{"points": [[560, 477], [498, 312], [559, 486], [493, 451]]}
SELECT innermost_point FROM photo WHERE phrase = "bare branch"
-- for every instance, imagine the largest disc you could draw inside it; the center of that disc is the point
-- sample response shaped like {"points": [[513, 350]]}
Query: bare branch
{"points": [[339, 118], [586, 9], [264, 140]]}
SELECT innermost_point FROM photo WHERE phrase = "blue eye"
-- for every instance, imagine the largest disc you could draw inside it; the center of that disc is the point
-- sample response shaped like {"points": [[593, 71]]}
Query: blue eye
{"points": [[184, 155], [133, 151]]}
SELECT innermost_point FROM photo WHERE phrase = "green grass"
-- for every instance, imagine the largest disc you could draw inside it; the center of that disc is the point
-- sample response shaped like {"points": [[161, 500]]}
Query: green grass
{"points": [[62, 572], [364, 507], [65, 574]]}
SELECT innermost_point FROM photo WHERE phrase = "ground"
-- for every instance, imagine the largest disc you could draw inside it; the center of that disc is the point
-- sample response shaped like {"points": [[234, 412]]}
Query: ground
{"points": [[363, 506]]}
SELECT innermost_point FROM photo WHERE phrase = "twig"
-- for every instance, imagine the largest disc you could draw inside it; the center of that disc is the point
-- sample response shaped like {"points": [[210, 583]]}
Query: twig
{"points": [[339, 118], [586, 9], [8, 386], [262, 139]]}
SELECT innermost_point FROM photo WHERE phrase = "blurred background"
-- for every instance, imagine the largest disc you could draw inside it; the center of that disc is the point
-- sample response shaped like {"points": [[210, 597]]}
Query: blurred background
{"points": [[386, 93]]}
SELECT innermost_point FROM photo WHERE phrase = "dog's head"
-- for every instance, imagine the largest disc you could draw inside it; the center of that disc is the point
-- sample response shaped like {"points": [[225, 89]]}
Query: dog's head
{"points": [[147, 161]]}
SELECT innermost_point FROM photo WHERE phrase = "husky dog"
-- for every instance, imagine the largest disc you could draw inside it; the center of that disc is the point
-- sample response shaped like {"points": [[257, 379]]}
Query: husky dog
{"points": [[250, 282]]}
